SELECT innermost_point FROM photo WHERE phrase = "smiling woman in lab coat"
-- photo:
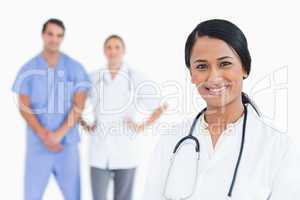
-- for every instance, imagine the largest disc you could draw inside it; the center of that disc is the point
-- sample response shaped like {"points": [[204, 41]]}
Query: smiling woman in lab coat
{"points": [[240, 156]]}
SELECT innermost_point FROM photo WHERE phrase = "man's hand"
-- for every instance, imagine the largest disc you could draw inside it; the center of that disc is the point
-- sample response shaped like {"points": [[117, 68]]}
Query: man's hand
{"points": [[51, 141], [33, 122]]}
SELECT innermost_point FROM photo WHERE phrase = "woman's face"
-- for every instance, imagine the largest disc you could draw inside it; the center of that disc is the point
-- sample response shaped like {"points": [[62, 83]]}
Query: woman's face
{"points": [[217, 71], [114, 51]]}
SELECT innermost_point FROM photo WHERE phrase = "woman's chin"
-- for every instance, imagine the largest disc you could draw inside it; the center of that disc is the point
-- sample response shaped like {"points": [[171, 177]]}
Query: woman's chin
{"points": [[216, 101]]}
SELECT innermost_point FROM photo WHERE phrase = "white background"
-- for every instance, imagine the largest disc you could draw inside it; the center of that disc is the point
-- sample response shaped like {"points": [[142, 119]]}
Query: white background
{"points": [[155, 34]]}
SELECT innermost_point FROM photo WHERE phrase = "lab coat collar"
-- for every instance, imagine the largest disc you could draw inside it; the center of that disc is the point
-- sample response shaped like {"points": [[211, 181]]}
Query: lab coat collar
{"points": [[107, 75], [231, 128], [252, 127]]}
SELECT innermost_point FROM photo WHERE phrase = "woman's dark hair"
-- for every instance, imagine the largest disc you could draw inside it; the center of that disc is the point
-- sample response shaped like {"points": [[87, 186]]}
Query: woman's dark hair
{"points": [[229, 33], [114, 36], [53, 21]]}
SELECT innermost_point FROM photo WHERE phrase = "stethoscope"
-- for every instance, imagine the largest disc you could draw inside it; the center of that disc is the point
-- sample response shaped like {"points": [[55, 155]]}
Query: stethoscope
{"points": [[101, 80], [192, 138]]}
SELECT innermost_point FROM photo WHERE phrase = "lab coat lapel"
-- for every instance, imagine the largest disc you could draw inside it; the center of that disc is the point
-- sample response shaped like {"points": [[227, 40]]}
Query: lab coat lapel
{"points": [[231, 146]]}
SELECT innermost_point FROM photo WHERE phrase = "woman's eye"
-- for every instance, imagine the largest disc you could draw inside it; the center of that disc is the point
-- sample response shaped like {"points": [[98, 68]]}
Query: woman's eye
{"points": [[201, 66], [225, 64]]}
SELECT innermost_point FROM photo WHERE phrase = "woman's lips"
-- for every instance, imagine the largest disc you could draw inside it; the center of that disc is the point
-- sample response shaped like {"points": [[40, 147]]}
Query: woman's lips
{"points": [[217, 91]]}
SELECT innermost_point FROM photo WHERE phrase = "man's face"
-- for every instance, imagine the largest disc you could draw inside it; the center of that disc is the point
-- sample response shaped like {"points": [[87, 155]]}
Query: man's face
{"points": [[52, 37]]}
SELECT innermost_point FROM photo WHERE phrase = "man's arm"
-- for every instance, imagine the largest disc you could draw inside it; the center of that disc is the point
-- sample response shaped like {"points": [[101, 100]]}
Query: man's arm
{"points": [[73, 116], [30, 118], [34, 124], [88, 119]]}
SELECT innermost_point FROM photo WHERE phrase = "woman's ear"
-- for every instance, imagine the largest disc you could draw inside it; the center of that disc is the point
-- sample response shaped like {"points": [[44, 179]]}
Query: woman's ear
{"points": [[245, 74]]}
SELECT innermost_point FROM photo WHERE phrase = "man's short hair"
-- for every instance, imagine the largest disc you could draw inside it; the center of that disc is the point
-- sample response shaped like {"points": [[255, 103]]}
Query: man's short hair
{"points": [[53, 21]]}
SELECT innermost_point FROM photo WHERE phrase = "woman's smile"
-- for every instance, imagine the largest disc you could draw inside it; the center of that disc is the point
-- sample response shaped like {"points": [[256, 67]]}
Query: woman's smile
{"points": [[218, 90]]}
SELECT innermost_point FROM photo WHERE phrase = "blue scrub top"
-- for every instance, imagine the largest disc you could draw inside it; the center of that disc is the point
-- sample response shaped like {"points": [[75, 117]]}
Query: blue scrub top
{"points": [[51, 92]]}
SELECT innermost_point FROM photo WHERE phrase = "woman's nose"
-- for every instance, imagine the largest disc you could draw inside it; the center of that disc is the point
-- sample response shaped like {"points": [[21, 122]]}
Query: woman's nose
{"points": [[214, 75]]}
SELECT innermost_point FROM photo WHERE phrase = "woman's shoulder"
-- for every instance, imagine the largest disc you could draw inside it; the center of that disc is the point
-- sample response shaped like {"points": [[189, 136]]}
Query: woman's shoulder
{"points": [[264, 132]]}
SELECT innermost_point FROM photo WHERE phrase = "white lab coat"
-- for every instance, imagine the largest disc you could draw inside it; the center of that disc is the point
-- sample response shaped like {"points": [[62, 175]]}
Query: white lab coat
{"points": [[111, 102], [269, 169]]}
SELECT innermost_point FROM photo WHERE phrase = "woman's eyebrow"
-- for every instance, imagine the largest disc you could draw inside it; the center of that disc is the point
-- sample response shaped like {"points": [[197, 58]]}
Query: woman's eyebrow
{"points": [[224, 57], [200, 60]]}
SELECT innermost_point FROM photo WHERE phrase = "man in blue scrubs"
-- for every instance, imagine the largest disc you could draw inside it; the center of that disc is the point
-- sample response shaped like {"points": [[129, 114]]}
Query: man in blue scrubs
{"points": [[52, 89]]}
